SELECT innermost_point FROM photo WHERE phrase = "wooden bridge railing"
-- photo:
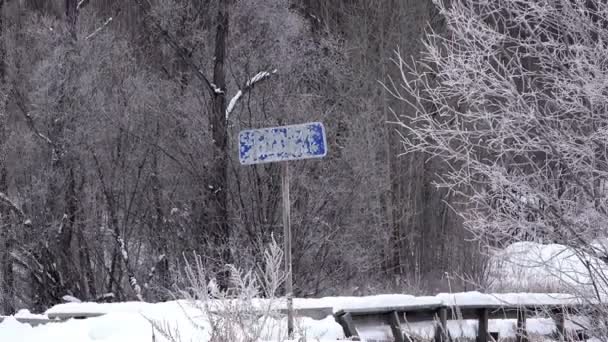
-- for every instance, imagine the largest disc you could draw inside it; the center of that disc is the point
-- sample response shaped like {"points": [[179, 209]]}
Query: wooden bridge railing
{"points": [[395, 317]]}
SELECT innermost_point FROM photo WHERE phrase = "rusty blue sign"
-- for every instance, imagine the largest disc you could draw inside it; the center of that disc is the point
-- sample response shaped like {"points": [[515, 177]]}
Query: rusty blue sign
{"points": [[282, 143]]}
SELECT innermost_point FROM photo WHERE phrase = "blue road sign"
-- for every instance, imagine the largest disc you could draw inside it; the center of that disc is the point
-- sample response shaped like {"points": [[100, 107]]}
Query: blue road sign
{"points": [[283, 143]]}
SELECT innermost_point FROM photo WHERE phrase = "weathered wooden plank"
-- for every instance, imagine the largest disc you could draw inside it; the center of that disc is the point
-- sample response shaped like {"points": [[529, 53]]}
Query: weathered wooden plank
{"points": [[346, 321], [387, 309], [421, 316], [75, 315], [500, 313], [314, 313], [560, 324], [496, 310], [482, 313], [395, 324], [409, 316], [482, 328]]}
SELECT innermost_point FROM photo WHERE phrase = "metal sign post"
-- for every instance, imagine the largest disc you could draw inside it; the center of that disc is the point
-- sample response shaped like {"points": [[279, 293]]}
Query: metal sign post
{"points": [[281, 144]]}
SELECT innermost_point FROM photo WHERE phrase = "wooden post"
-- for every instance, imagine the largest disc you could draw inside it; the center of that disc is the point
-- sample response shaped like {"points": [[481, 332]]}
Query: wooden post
{"points": [[395, 323], [287, 245], [482, 328], [346, 321], [560, 324], [441, 331], [521, 326]]}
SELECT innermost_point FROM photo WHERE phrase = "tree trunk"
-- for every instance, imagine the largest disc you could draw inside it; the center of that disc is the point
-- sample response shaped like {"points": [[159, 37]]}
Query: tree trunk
{"points": [[160, 240], [5, 225], [71, 12], [7, 240], [63, 169], [219, 189], [6, 237]]}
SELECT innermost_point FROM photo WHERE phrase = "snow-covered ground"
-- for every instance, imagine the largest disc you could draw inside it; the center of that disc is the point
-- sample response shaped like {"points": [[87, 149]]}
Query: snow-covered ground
{"points": [[135, 321], [523, 265], [139, 322]]}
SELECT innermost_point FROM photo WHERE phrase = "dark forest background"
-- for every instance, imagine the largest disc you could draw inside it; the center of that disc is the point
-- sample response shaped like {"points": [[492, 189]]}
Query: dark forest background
{"points": [[118, 158]]}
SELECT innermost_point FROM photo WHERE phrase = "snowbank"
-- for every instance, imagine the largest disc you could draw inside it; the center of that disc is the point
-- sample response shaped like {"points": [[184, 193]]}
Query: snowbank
{"points": [[534, 267], [135, 322]]}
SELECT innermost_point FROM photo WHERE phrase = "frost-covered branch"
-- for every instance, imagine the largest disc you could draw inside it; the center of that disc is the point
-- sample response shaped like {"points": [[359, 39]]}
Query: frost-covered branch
{"points": [[97, 30], [30, 121], [237, 313], [259, 77], [516, 111], [524, 135], [4, 200]]}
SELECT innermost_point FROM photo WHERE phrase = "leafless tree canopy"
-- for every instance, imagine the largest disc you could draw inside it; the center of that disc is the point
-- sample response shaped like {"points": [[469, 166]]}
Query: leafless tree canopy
{"points": [[118, 125]]}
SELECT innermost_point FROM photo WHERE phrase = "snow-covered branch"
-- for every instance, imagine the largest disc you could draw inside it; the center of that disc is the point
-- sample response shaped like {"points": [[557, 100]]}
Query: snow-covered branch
{"points": [[233, 102], [97, 30], [82, 4], [71, 299], [259, 77], [216, 89], [130, 273], [514, 123]]}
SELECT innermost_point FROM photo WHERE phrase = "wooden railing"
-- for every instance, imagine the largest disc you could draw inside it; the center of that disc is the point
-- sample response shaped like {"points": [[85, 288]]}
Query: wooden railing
{"points": [[396, 317], [52, 318], [409, 309]]}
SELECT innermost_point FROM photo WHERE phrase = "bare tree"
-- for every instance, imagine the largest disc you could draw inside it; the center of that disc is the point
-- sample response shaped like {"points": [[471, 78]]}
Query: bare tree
{"points": [[417, 238], [6, 292], [513, 98]]}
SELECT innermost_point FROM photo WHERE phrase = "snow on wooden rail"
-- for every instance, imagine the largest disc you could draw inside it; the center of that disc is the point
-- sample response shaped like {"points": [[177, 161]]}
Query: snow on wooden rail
{"points": [[329, 305], [32, 321], [386, 313], [89, 309], [25, 317]]}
